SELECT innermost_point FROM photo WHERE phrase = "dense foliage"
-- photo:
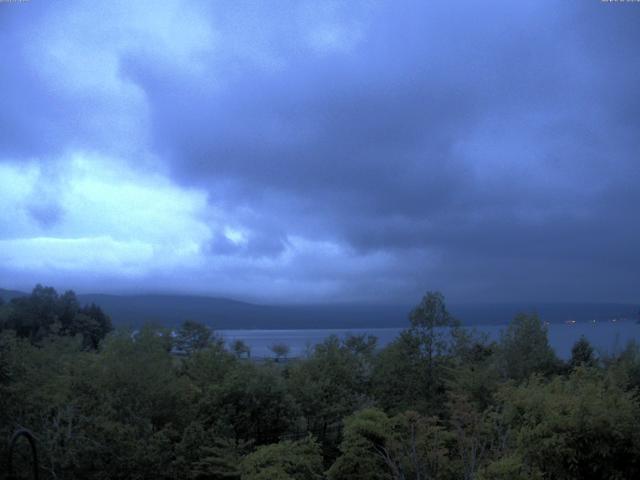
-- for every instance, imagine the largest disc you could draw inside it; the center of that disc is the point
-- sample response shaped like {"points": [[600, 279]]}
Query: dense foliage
{"points": [[45, 313], [437, 403]]}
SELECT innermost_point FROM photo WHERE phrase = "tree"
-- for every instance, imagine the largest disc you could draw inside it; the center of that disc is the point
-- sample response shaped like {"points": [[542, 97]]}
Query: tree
{"points": [[4, 314], [136, 380], [68, 308], [192, 336], [361, 450], [524, 348], [434, 328], [420, 447], [583, 426], [582, 354], [202, 454], [413, 371], [624, 368], [509, 467], [363, 344], [398, 380], [45, 313], [130, 407], [208, 366], [475, 375], [408, 445], [331, 384], [301, 460], [280, 350], [241, 349], [473, 432], [251, 402], [92, 331], [32, 316], [431, 324], [36, 392]]}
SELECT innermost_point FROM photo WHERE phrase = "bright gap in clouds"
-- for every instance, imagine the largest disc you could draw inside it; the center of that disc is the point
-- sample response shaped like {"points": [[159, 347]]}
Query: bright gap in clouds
{"points": [[96, 213], [94, 223]]}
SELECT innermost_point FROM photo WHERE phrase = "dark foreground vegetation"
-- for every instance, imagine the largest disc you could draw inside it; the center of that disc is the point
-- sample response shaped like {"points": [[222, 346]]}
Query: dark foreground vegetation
{"points": [[438, 403]]}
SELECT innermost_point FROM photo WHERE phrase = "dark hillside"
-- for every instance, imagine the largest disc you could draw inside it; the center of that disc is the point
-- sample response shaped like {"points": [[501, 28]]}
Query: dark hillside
{"points": [[7, 295], [224, 313]]}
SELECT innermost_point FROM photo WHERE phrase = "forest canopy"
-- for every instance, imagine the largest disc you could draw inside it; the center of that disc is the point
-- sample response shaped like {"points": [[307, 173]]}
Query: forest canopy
{"points": [[439, 402]]}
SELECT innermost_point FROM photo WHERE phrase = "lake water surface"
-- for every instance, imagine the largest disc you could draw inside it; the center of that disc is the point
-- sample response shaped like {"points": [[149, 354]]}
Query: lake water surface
{"points": [[606, 337]]}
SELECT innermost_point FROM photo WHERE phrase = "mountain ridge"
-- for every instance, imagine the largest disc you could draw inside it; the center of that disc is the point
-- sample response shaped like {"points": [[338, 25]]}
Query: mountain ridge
{"points": [[225, 313]]}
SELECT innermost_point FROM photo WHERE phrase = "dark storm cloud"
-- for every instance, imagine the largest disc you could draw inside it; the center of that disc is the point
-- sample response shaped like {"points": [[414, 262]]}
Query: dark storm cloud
{"points": [[500, 131], [489, 149], [29, 112], [46, 106]]}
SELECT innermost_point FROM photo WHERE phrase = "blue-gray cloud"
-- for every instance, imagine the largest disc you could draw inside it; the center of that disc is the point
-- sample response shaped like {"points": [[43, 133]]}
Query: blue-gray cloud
{"points": [[361, 150]]}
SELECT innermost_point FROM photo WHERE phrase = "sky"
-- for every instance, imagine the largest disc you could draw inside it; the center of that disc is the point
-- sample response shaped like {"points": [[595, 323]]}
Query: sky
{"points": [[304, 151]]}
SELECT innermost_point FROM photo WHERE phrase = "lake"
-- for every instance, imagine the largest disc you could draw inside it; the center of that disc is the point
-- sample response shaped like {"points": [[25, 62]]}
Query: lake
{"points": [[606, 337]]}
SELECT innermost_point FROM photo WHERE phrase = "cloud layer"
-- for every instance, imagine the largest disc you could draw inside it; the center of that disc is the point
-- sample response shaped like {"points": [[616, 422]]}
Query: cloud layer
{"points": [[347, 151]]}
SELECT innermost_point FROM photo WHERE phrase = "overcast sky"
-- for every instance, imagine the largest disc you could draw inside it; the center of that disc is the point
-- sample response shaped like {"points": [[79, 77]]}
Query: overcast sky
{"points": [[322, 151]]}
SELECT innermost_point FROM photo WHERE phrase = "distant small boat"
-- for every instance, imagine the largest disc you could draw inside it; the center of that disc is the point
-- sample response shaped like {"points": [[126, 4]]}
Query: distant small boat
{"points": [[570, 322]]}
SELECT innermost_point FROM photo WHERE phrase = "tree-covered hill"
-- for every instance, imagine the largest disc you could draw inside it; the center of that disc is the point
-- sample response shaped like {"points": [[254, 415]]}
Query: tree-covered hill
{"points": [[224, 313], [7, 295]]}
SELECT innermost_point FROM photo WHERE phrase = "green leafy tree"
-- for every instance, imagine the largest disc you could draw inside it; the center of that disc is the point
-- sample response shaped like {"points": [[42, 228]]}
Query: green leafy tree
{"points": [[408, 445], [250, 404], [241, 349], [509, 467], [45, 313], [280, 350], [362, 450], [524, 349], [577, 427], [328, 386], [398, 381], [192, 336], [202, 454], [582, 354], [473, 431], [420, 447], [4, 314], [68, 307], [363, 345], [432, 325], [37, 392], [475, 375], [624, 368], [96, 329], [413, 371], [208, 366], [131, 404], [286, 460], [435, 333], [33, 316]]}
